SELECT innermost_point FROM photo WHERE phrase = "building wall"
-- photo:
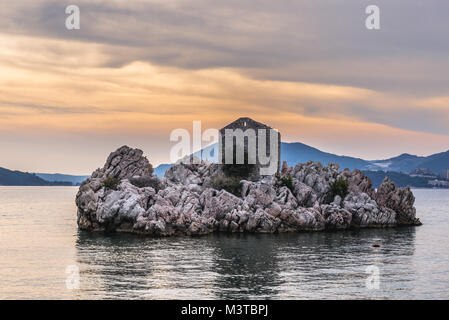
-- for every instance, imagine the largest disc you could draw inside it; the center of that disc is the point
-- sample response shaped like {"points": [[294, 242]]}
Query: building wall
{"points": [[240, 124]]}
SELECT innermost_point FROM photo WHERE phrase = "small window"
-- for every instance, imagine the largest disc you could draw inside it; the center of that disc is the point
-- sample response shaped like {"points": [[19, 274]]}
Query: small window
{"points": [[244, 124]]}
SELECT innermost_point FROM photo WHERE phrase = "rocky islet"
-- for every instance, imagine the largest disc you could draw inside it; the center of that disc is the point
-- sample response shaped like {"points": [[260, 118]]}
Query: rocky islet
{"points": [[125, 196]]}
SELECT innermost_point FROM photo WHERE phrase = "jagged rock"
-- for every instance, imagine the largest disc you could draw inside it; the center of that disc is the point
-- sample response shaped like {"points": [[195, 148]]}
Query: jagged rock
{"points": [[127, 163], [305, 195], [400, 200], [365, 212], [258, 195], [358, 182], [184, 174], [336, 217], [125, 196]]}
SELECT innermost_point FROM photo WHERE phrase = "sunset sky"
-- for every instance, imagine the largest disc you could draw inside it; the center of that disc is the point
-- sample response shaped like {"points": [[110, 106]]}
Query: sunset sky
{"points": [[136, 70]]}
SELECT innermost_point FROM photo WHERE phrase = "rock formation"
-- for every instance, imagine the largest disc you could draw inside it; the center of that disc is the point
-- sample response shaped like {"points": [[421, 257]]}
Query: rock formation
{"points": [[125, 196]]}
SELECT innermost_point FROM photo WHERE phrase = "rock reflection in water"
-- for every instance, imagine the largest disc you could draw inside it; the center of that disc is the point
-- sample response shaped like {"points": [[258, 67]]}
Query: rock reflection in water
{"points": [[239, 266]]}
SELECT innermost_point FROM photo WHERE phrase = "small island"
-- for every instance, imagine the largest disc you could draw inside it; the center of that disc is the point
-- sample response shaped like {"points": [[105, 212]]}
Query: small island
{"points": [[200, 198], [197, 197]]}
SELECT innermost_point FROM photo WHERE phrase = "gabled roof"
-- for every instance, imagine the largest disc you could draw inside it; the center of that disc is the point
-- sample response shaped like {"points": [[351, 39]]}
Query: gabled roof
{"points": [[245, 123]]}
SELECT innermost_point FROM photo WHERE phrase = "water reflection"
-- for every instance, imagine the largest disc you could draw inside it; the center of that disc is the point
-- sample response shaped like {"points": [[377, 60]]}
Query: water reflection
{"points": [[300, 265], [247, 266], [39, 238]]}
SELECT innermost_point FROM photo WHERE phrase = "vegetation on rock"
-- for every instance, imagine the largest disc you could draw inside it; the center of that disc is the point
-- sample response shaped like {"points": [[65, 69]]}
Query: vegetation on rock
{"points": [[143, 182], [339, 187], [230, 184], [287, 182], [111, 183]]}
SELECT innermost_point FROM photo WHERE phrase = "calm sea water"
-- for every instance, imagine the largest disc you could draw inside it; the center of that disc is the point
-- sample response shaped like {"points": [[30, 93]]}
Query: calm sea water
{"points": [[39, 240]]}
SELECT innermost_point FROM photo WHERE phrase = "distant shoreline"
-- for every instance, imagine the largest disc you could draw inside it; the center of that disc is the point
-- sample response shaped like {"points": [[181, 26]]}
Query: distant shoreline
{"points": [[398, 169]]}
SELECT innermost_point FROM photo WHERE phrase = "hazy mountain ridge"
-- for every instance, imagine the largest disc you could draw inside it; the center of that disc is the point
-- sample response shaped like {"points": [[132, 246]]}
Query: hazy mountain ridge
{"points": [[54, 177], [436, 163], [18, 178], [297, 152], [401, 179], [293, 153]]}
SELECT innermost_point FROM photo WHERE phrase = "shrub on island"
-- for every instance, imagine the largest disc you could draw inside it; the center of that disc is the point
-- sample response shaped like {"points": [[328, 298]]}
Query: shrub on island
{"points": [[111, 183], [230, 184], [143, 182], [339, 187]]}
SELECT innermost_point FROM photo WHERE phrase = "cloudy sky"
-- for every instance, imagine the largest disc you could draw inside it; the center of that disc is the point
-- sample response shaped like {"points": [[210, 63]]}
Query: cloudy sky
{"points": [[138, 69]]}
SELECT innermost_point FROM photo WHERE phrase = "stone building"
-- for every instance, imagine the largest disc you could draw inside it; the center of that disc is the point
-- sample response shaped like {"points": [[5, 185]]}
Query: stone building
{"points": [[246, 134]]}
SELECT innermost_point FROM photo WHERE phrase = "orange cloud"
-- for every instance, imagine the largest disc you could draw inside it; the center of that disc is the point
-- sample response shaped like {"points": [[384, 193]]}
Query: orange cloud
{"points": [[56, 87]]}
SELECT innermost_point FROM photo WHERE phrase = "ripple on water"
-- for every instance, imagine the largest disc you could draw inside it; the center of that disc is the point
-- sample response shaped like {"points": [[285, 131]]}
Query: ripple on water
{"points": [[39, 239]]}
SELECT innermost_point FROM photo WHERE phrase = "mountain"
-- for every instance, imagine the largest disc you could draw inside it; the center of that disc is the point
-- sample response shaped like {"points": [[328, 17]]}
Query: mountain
{"points": [[297, 152], [293, 153], [403, 163], [401, 179], [436, 163], [75, 180], [17, 178]]}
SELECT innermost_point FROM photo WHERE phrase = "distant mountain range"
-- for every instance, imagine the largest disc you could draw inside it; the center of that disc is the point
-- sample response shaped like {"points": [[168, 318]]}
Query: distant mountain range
{"points": [[75, 180], [17, 178], [401, 179], [297, 152], [293, 153], [436, 163], [396, 168]]}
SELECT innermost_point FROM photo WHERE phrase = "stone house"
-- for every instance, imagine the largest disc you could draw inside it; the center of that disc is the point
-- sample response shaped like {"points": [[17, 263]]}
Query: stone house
{"points": [[245, 134]]}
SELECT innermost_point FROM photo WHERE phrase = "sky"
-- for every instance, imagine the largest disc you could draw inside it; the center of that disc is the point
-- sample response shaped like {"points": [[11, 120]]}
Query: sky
{"points": [[136, 70]]}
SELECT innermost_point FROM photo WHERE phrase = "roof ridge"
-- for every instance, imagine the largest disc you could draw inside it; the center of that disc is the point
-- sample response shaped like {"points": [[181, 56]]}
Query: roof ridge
{"points": [[242, 122]]}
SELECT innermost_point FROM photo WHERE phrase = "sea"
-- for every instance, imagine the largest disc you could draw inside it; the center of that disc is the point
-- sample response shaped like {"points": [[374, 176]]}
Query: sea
{"points": [[43, 255]]}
